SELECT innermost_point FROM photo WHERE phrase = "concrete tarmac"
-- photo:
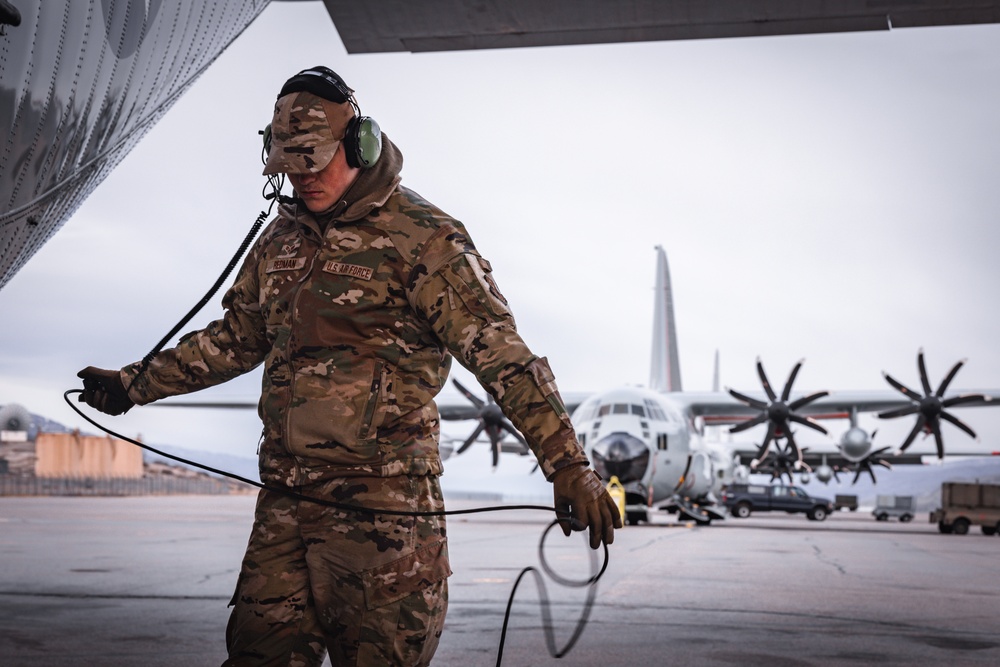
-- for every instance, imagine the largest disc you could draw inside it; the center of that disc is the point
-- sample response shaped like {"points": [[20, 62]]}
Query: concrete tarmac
{"points": [[146, 581]]}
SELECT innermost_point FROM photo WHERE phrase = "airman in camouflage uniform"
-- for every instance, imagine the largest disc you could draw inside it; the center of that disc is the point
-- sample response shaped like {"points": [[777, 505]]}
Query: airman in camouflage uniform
{"points": [[355, 310]]}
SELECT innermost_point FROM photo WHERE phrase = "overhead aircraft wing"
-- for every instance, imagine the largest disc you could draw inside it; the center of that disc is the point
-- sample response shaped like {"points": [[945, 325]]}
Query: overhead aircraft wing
{"points": [[82, 81], [378, 26]]}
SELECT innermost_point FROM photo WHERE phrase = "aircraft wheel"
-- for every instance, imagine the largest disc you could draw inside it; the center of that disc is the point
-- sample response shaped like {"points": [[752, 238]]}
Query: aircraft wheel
{"points": [[741, 511], [635, 518], [960, 527]]}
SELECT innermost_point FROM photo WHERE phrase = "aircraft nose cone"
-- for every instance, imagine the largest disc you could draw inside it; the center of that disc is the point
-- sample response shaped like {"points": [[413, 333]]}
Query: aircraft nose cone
{"points": [[621, 455]]}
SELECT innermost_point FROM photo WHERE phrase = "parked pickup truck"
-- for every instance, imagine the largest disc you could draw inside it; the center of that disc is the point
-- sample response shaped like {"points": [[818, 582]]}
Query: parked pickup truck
{"points": [[744, 499]]}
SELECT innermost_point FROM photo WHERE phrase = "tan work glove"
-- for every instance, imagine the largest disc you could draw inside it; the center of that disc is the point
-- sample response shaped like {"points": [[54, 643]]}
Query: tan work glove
{"points": [[580, 494], [103, 390]]}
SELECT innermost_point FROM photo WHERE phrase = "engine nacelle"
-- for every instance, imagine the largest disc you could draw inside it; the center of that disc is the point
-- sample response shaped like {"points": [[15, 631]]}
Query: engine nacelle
{"points": [[855, 444]]}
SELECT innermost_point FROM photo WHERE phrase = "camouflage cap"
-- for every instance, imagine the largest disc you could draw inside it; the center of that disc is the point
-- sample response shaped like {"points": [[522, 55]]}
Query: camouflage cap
{"points": [[305, 133]]}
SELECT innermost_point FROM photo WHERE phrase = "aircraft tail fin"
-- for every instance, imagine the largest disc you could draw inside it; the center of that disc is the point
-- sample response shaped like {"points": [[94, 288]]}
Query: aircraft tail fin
{"points": [[665, 371]]}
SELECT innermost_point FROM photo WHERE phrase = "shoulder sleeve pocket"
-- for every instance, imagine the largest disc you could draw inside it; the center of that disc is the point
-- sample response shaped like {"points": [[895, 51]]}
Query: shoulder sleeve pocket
{"points": [[470, 276]]}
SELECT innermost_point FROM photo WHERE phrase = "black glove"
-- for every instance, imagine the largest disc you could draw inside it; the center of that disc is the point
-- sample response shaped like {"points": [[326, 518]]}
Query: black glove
{"points": [[580, 494], [104, 391]]}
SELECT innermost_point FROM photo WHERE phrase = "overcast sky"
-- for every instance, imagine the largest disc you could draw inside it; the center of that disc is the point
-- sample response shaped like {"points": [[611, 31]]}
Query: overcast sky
{"points": [[827, 197]]}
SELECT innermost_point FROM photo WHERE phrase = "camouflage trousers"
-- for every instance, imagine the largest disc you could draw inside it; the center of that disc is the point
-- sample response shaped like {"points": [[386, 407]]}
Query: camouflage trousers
{"points": [[369, 588]]}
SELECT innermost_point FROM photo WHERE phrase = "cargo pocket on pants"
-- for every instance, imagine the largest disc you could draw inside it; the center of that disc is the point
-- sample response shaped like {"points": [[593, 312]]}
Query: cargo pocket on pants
{"points": [[399, 578]]}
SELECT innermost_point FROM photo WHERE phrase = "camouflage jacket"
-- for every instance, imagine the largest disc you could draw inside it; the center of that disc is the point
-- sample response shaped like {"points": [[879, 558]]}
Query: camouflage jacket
{"points": [[355, 314]]}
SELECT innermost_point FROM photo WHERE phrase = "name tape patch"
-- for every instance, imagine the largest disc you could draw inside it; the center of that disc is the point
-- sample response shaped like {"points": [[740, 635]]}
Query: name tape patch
{"points": [[285, 264], [353, 270]]}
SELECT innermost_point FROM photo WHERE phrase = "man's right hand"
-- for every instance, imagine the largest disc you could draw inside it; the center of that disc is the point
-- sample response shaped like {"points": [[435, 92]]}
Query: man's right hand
{"points": [[103, 390], [582, 502]]}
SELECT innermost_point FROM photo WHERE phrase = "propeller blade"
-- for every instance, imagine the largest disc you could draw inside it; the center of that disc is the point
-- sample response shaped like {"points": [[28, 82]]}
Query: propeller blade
{"points": [[472, 438], [963, 399], [807, 421], [748, 424], [959, 423], [857, 473], [749, 400], [787, 391], [794, 447], [763, 380], [917, 427], [806, 400], [475, 400], [910, 394], [948, 378], [899, 412], [923, 373], [514, 432], [495, 433], [936, 430], [871, 473], [762, 452]]}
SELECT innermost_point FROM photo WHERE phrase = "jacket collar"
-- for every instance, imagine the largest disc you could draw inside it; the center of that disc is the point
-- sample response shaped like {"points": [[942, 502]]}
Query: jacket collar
{"points": [[369, 191]]}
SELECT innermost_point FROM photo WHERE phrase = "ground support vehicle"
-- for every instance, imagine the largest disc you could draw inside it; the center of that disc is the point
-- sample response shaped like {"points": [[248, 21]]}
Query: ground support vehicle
{"points": [[968, 504], [845, 502], [744, 499], [903, 508]]}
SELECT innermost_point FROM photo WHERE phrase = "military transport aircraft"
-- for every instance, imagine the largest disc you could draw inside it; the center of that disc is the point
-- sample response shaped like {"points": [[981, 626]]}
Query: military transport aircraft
{"points": [[653, 439], [82, 81]]}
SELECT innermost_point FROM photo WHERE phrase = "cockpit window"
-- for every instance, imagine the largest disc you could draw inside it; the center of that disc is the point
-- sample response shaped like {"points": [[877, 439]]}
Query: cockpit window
{"points": [[655, 412], [587, 411], [620, 409], [638, 410]]}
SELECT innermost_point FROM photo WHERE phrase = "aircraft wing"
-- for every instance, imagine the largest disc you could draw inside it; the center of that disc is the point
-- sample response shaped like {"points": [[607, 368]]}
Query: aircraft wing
{"points": [[720, 409], [81, 82], [445, 25]]}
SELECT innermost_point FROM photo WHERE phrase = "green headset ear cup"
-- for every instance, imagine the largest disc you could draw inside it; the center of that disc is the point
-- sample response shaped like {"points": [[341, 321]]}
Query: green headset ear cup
{"points": [[363, 142]]}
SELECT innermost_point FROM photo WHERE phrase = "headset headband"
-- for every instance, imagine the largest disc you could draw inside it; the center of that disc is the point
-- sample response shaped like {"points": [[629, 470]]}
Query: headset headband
{"points": [[320, 81]]}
